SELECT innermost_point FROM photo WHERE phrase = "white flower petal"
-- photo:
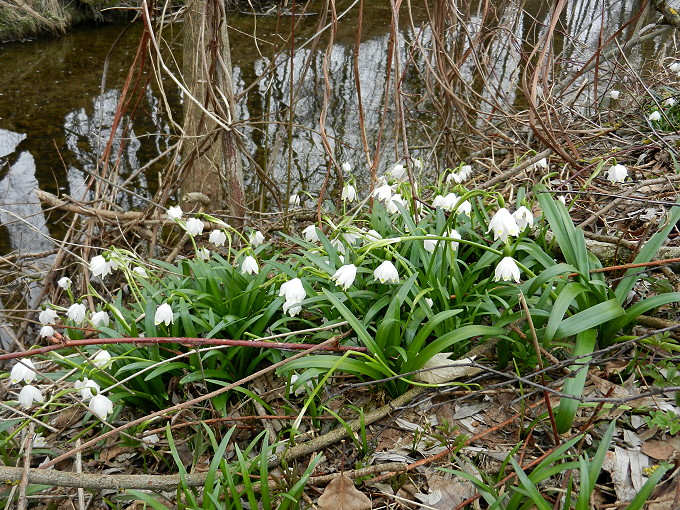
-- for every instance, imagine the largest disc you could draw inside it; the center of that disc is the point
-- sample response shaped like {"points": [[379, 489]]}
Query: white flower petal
{"points": [[164, 314], [100, 406], [507, 270], [28, 395], [344, 276], [175, 212], [386, 272], [23, 370]]}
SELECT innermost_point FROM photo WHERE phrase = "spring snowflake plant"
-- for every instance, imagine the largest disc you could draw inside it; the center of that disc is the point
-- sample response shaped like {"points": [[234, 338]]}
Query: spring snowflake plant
{"points": [[411, 279]]}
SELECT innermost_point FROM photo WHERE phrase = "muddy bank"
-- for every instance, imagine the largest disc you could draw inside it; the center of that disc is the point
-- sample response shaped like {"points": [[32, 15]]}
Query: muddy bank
{"points": [[27, 19]]}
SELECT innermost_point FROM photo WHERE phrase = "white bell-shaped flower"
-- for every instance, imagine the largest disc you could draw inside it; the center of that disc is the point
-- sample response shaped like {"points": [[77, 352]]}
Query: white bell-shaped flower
{"points": [[23, 370], [311, 234], [541, 163], [76, 312], [100, 319], [397, 172], [256, 238], [218, 237], [249, 265], [344, 276], [175, 212], [86, 387], [100, 266], [383, 193], [46, 331], [523, 217], [393, 201], [194, 226], [503, 224], [349, 193], [100, 406], [617, 173], [28, 395], [164, 314], [506, 270], [294, 293], [48, 316], [64, 282], [102, 358], [386, 272], [293, 290]]}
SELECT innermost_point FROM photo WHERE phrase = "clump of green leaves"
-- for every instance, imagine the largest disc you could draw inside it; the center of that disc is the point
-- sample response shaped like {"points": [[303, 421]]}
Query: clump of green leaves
{"points": [[420, 272]]}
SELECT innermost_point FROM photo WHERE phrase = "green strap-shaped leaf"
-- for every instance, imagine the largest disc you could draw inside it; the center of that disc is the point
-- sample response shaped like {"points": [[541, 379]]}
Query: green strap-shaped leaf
{"points": [[646, 254], [585, 344], [589, 318]]}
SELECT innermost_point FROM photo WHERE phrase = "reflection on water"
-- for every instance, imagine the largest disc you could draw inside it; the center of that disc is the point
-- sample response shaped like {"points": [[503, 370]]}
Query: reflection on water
{"points": [[57, 114]]}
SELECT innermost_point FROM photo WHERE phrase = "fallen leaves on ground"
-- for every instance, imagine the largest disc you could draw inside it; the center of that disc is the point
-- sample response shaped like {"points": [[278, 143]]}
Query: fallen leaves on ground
{"points": [[341, 494]]}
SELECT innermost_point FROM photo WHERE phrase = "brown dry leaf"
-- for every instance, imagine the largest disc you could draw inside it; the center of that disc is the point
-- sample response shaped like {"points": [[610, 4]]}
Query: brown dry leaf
{"points": [[341, 494], [112, 452], [666, 450], [446, 492]]}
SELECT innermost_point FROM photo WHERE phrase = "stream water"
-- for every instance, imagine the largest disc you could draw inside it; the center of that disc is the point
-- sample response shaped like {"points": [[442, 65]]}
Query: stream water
{"points": [[58, 97]]}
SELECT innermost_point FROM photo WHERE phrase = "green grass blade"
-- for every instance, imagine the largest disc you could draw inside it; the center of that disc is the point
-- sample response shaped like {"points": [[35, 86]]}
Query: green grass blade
{"points": [[646, 254], [567, 294], [585, 344], [356, 325], [646, 491], [529, 486], [601, 453], [148, 499], [583, 499], [589, 318]]}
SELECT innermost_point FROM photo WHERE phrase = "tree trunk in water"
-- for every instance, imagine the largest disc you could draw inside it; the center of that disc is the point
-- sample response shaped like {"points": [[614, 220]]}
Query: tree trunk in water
{"points": [[211, 171]]}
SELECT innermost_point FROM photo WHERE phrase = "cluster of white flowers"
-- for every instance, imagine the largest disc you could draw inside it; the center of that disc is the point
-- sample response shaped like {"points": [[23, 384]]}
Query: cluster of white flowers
{"points": [[24, 371], [449, 202], [77, 312], [503, 224], [460, 175]]}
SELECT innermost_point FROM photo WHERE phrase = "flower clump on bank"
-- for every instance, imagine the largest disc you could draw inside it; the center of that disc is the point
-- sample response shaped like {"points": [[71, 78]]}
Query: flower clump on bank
{"points": [[413, 272]]}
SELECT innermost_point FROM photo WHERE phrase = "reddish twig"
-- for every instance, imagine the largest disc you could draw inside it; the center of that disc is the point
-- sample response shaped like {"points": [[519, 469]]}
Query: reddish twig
{"points": [[190, 342]]}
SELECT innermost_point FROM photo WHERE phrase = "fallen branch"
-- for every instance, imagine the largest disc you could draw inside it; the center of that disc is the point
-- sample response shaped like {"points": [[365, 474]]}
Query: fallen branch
{"points": [[75, 207], [55, 478]]}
